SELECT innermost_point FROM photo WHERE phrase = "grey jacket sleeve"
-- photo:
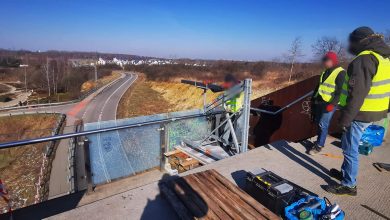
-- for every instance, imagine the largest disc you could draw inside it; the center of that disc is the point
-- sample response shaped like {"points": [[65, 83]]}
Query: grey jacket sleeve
{"points": [[360, 72], [339, 87]]}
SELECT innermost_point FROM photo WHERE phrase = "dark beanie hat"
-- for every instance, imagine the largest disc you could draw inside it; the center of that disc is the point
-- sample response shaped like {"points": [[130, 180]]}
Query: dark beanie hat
{"points": [[230, 78], [360, 33]]}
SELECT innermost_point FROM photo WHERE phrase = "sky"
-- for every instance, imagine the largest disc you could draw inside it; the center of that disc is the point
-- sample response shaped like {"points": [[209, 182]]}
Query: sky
{"points": [[205, 29]]}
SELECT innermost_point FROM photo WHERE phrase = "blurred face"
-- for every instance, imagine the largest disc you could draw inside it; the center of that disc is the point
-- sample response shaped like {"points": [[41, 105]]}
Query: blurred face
{"points": [[228, 84], [327, 63], [353, 48]]}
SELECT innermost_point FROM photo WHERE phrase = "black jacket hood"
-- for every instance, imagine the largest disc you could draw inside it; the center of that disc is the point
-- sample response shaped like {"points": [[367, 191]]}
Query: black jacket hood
{"points": [[375, 44]]}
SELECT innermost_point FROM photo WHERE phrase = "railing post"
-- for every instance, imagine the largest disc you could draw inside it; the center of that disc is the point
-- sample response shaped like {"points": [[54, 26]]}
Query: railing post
{"points": [[246, 114], [164, 145]]}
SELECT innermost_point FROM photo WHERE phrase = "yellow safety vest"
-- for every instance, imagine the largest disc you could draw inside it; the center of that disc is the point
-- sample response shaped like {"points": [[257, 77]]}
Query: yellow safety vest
{"points": [[235, 103], [344, 92], [328, 87], [377, 99]]}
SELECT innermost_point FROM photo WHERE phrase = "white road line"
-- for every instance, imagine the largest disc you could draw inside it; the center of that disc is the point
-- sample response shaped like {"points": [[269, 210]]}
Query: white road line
{"points": [[99, 92], [116, 108], [108, 99]]}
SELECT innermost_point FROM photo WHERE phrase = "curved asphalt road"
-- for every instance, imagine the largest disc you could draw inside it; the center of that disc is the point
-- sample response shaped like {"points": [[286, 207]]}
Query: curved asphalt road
{"points": [[104, 106], [99, 106]]}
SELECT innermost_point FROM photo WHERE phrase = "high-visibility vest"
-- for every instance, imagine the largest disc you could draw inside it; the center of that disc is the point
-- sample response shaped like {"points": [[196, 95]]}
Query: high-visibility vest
{"points": [[328, 86], [235, 103], [344, 92], [377, 99]]}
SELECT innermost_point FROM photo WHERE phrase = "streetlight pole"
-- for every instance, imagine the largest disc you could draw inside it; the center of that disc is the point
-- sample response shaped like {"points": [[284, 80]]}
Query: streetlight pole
{"points": [[25, 75], [25, 78], [95, 67]]}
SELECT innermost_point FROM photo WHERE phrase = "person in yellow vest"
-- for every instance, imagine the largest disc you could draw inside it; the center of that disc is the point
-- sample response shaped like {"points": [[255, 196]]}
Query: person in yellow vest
{"points": [[232, 106], [235, 103], [367, 101], [326, 97]]}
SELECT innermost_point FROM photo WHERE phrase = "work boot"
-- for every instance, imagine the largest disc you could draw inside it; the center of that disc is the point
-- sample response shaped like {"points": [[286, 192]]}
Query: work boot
{"points": [[315, 149], [342, 190], [338, 175]]}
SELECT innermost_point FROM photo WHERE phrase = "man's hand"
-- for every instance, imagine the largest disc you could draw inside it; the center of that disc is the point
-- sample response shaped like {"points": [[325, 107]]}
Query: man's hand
{"points": [[313, 111], [343, 125]]}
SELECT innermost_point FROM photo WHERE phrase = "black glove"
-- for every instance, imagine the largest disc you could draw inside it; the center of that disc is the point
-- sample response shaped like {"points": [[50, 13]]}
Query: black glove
{"points": [[343, 125], [313, 110]]}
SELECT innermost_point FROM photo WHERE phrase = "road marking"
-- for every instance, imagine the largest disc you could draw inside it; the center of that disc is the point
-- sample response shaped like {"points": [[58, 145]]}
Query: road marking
{"points": [[105, 103], [116, 108], [100, 92]]}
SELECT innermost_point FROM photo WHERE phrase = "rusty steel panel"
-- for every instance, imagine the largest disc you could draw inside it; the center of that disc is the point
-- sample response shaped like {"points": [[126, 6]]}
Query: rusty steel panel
{"points": [[293, 124]]}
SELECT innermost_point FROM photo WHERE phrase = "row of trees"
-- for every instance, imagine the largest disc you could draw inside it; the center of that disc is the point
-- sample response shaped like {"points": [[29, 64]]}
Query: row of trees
{"points": [[57, 76], [216, 71], [319, 48], [9, 62], [52, 77], [387, 37]]}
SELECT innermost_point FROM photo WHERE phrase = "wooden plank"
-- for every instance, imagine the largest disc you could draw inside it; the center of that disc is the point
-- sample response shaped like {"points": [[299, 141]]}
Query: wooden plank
{"points": [[170, 153], [235, 197], [219, 192], [180, 209], [212, 204], [209, 195], [207, 213], [242, 207], [189, 162], [244, 196], [202, 158], [186, 198], [226, 207]]}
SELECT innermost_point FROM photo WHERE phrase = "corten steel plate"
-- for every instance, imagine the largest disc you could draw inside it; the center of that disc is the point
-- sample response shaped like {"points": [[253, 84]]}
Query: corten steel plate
{"points": [[293, 124]]}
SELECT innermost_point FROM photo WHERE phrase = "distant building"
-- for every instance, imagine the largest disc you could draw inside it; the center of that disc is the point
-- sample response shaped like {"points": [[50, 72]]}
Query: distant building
{"points": [[101, 61], [149, 62]]}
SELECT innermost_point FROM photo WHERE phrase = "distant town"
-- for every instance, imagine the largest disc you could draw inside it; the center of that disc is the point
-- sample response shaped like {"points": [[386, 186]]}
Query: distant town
{"points": [[124, 62]]}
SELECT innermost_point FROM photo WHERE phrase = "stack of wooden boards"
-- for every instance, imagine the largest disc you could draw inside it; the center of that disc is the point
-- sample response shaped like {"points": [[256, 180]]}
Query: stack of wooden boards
{"points": [[209, 195], [181, 161]]}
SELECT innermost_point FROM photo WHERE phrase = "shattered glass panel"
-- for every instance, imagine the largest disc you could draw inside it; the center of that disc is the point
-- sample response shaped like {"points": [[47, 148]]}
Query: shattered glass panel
{"points": [[125, 152], [194, 129]]}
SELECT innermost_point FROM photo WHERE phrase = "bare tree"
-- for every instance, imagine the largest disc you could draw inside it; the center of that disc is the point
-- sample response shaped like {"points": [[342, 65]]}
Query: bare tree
{"points": [[387, 37], [53, 77], [46, 67], [294, 53], [326, 44]]}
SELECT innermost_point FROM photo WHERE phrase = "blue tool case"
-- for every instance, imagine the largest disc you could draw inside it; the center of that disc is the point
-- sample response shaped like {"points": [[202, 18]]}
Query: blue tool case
{"points": [[373, 135], [317, 207]]}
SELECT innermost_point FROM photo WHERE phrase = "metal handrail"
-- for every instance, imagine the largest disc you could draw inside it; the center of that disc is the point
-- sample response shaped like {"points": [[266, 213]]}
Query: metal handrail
{"points": [[233, 91], [285, 107], [100, 130]]}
